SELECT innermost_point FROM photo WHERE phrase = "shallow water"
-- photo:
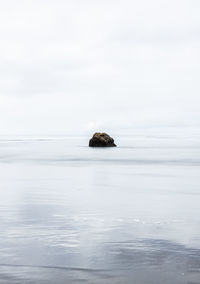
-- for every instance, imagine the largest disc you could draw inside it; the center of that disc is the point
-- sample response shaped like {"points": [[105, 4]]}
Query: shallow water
{"points": [[74, 214]]}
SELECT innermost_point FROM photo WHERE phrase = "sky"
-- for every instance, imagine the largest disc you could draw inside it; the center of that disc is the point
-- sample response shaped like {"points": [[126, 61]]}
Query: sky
{"points": [[78, 66]]}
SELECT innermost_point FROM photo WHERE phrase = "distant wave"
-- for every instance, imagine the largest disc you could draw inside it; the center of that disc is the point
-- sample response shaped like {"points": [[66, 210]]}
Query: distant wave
{"points": [[54, 267], [90, 161]]}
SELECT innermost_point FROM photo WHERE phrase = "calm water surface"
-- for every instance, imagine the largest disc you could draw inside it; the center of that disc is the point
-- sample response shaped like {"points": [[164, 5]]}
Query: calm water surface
{"points": [[73, 214]]}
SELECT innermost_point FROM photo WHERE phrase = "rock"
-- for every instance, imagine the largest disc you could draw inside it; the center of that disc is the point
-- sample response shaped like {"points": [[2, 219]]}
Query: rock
{"points": [[101, 140]]}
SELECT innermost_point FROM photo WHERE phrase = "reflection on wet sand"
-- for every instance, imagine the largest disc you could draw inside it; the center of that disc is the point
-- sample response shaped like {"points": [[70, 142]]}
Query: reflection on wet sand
{"points": [[145, 261], [99, 219]]}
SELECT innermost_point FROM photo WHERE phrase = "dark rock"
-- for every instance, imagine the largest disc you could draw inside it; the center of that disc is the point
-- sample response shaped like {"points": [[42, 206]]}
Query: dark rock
{"points": [[101, 140]]}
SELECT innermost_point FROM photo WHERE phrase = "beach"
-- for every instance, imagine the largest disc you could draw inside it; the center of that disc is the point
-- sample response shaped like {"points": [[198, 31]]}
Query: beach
{"points": [[74, 214]]}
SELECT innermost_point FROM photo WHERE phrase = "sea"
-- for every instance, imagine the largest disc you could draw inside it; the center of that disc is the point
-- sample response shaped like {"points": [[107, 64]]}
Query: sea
{"points": [[74, 214]]}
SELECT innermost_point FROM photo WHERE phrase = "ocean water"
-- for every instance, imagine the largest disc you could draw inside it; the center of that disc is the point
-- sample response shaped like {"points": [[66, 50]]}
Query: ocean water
{"points": [[74, 214]]}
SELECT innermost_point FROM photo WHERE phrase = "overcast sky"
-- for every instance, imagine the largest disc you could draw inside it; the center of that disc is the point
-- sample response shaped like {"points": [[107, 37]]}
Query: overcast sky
{"points": [[72, 66]]}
